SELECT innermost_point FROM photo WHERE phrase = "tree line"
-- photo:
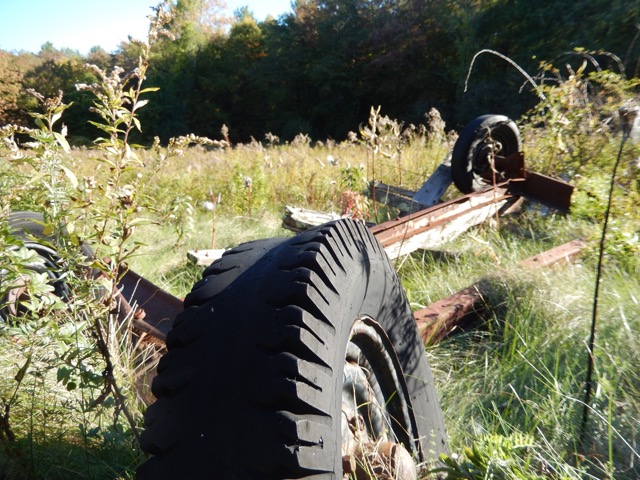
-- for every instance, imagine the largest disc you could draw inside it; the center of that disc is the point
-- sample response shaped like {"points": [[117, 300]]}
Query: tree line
{"points": [[318, 69]]}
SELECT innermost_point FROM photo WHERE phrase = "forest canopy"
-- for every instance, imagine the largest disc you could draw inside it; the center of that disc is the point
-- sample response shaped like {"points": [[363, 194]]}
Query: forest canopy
{"points": [[318, 69]]}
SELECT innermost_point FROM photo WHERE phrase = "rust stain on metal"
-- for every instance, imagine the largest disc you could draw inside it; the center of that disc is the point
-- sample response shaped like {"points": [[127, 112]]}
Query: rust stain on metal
{"points": [[440, 319], [564, 252]]}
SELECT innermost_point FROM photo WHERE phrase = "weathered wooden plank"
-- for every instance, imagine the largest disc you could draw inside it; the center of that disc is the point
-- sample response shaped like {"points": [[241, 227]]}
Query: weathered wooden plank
{"points": [[445, 231], [432, 190], [300, 219], [427, 228]]}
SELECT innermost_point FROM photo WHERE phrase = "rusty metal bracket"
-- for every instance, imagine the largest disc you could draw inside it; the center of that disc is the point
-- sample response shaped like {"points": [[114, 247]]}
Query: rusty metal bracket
{"points": [[552, 192], [549, 191]]}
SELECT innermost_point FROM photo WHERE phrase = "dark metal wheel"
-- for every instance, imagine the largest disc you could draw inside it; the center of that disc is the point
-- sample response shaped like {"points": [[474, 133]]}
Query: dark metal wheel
{"points": [[307, 348]]}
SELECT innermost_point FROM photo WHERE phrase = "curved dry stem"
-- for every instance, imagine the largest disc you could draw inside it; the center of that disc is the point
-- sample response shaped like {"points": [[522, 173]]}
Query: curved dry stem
{"points": [[509, 61]]}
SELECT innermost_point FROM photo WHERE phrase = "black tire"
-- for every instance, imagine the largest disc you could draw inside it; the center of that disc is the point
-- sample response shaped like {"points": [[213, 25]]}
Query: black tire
{"points": [[29, 229], [482, 138], [253, 382]]}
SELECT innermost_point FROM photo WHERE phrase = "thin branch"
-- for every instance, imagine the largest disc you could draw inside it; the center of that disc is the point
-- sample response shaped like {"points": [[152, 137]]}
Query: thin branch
{"points": [[110, 381], [509, 61], [627, 116]]}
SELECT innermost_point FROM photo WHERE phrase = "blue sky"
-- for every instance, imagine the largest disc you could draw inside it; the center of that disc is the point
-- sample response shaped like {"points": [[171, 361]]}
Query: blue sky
{"points": [[82, 24]]}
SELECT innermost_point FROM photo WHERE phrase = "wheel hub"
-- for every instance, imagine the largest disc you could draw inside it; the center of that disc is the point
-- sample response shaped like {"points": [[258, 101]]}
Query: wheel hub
{"points": [[375, 413]]}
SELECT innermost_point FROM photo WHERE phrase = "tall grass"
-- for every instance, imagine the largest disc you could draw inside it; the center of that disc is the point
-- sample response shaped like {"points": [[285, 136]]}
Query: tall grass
{"points": [[60, 431], [521, 373], [53, 415], [517, 379]]}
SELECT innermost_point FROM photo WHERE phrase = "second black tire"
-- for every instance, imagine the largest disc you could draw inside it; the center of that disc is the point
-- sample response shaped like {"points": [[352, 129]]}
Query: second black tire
{"points": [[29, 230], [253, 384], [482, 138]]}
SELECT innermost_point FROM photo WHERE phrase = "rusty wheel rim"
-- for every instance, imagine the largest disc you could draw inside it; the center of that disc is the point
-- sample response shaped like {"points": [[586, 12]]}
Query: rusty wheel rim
{"points": [[377, 431]]}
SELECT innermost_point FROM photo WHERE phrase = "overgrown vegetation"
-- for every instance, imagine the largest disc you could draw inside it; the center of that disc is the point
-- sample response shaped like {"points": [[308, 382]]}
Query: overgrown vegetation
{"points": [[318, 69], [511, 389]]}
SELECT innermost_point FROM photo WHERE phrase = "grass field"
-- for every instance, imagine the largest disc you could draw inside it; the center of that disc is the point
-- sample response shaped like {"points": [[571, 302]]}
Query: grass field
{"points": [[511, 388]]}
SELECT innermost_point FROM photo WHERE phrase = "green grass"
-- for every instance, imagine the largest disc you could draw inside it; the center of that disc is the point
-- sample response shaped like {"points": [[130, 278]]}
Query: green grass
{"points": [[167, 265], [511, 388], [58, 434], [521, 373]]}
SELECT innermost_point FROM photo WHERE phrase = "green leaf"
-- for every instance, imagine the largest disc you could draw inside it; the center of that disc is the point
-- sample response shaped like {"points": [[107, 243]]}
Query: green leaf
{"points": [[35, 180], [136, 122], [142, 221], [70, 175], [139, 104], [23, 370], [62, 142], [96, 124], [63, 374]]}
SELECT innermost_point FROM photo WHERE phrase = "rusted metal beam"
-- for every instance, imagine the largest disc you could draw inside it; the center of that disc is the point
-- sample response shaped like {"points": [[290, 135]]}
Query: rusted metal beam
{"points": [[155, 309], [151, 312], [442, 318], [436, 225], [561, 254], [433, 226], [552, 192]]}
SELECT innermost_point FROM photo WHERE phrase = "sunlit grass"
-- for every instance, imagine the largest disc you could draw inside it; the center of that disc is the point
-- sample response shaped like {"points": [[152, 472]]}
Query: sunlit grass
{"points": [[522, 372], [58, 432]]}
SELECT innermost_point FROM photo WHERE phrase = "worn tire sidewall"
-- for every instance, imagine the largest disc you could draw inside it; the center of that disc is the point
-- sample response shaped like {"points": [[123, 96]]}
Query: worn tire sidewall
{"points": [[464, 150], [367, 286]]}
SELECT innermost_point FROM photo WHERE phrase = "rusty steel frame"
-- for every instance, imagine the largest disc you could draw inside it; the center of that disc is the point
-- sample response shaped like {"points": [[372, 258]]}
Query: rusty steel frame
{"points": [[151, 310], [429, 227]]}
